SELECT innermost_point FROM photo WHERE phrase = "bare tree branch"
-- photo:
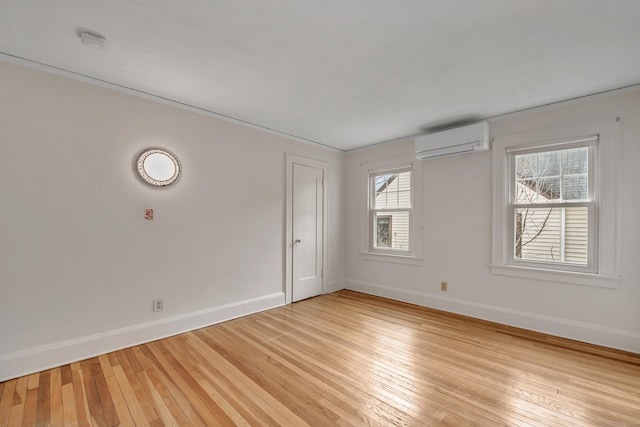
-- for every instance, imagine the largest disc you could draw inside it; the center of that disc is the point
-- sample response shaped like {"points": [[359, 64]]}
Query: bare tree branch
{"points": [[540, 229]]}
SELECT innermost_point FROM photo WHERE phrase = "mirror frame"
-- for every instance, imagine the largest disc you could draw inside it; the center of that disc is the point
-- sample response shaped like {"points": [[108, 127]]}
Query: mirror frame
{"points": [[144, 176]]}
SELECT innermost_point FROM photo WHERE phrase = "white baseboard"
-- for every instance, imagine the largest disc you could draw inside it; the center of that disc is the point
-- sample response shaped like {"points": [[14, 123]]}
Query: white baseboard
{"points": [[23, 362], [334, 285], [621, 339]]}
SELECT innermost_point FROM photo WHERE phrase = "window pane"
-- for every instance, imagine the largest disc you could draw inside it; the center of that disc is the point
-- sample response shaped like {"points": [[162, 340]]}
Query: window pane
{"points": [[552, 176], [392, 191], [576, 235], [381, 180], [526, 191], [526, 166], [557, 235], [544, 190], [391, 230], [384, 226], [549, 163], [548, 190], [575, 188], [575, 161]]}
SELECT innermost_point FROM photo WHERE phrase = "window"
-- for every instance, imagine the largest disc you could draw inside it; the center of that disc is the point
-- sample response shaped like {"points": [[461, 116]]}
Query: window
{"points": [[552, 205], [555, 206], [390, 210], [391, 229]]}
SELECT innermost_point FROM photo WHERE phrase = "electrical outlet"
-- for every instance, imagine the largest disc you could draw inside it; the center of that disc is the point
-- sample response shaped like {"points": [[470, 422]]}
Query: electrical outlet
{"points": [[158, 304], [443, 286]]}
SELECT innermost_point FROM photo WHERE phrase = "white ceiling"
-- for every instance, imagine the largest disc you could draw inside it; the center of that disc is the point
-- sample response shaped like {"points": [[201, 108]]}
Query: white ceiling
{"points": [[342, 73]]}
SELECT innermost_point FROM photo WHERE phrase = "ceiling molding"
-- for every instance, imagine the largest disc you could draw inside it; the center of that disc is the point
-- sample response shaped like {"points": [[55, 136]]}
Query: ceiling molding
{"points": [[151, 97]]}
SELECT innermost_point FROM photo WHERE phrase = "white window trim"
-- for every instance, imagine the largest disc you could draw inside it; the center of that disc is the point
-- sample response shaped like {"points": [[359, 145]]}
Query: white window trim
{"points": [[608, 228], [414, 255]]}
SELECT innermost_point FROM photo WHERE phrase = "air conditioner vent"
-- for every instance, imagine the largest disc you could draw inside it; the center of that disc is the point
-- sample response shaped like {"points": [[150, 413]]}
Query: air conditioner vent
{"points": [[461, 140]]}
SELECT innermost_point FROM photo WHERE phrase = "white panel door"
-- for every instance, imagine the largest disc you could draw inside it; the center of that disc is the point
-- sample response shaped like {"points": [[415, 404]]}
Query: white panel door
{"points": [[307, 205]]}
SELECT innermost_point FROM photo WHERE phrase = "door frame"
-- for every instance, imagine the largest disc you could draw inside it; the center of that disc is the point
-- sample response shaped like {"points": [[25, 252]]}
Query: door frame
{"points": [[288, 238]]}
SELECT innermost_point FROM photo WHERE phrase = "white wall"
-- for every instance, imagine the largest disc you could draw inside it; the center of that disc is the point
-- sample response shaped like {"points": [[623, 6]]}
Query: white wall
{"points": [[79, 265], [457, 239]]}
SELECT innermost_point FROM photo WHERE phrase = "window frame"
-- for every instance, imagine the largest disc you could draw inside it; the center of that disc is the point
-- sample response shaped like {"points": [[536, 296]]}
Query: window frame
{"points": [[592, 204], [373, 211], [413, 255], [605, 270]]}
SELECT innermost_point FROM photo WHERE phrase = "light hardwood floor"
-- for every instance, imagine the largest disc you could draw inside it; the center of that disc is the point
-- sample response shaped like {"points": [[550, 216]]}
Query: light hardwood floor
{"points": [[340, 359]]}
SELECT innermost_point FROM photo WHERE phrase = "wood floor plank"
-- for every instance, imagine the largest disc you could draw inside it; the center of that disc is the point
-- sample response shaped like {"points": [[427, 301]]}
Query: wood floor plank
{"points": [[105, 365], [33, 381], [57, 410], [162, 397], [132, 402], [133, 362], [43, 413], [343, 359], [109, 411], [163, 410], [6, 401], [120, 402], [69, 403], [17, 413], [228, 409], [21, 391], [80, 397], [96, 411], [113, 359], [132, 389], [30, 407], [65, 375]]}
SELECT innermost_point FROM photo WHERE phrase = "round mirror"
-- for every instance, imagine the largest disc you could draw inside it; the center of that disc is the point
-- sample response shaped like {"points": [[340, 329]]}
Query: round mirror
{"points": [[158, 167]]}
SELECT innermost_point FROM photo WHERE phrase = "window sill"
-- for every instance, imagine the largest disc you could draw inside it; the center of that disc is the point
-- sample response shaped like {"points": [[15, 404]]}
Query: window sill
{"points": [[398, 259], [585, 279]]}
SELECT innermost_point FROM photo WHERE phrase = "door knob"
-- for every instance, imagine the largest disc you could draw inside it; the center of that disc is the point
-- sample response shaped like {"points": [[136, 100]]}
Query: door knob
{"points": [[298, 241]]}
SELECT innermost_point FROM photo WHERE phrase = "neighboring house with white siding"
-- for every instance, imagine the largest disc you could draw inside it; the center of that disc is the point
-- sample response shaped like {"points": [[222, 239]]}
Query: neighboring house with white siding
{"points": [[392, 191], [550, 234]]}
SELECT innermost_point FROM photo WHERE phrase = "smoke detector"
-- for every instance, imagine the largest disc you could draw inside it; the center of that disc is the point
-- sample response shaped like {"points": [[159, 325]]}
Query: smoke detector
{"points": [[93, 40]]}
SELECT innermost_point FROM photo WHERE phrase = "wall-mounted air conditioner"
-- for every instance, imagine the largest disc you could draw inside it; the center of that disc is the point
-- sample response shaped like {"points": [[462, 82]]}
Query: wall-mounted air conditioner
{"points": [[460, 140]]}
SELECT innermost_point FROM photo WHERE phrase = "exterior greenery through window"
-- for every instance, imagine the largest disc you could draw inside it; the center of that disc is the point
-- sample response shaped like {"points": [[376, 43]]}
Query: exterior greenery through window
{"points": [[390, 205], [553, 204]]}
